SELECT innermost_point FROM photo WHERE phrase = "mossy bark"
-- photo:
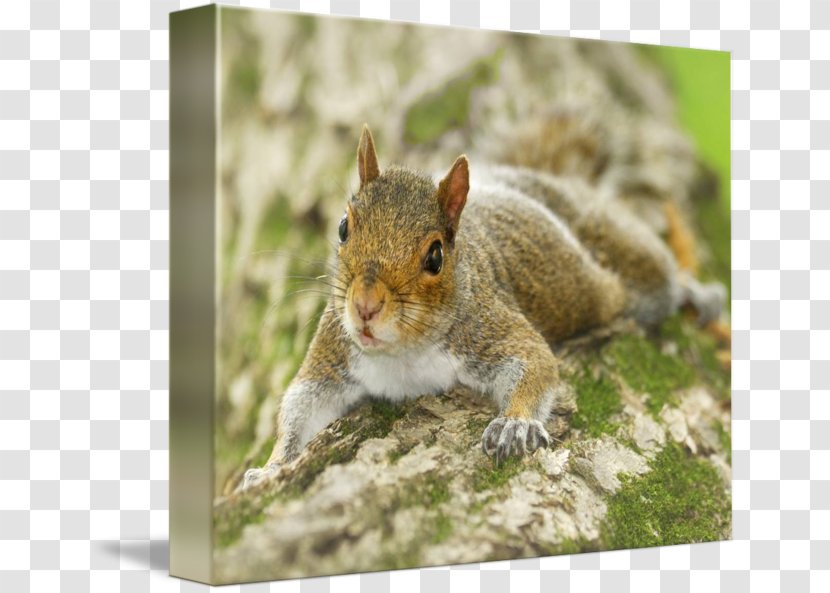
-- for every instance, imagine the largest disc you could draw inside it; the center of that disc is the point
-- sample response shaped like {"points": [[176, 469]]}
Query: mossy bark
{"points": [[401, 486]]}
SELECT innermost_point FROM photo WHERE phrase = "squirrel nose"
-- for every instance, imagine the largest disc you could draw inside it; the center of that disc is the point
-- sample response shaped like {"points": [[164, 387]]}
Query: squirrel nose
{"points": [[368, 308]]}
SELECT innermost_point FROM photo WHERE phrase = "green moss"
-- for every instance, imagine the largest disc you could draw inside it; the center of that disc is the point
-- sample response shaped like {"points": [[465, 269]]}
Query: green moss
{"points": [[437, 491], [597, 401], [476, 426], [375, 422], [383, 415], [442, 528], [489, 477], [682, 500], [403, 556], [229, 520], [725, 439], [428, 492], [644, 368], [432, 530], [479, 505], [448, 107], [699, 350], [395, 454], [569, 546], [334, 455]]}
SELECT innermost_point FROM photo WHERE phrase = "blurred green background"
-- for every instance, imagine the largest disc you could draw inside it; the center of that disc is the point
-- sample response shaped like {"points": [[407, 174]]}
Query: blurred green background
{"points": [[700, 81]]}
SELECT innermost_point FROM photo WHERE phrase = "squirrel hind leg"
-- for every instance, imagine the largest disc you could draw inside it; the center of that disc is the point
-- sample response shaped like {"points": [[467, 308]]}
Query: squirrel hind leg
{"points": [[650, 308], [707, 299]]}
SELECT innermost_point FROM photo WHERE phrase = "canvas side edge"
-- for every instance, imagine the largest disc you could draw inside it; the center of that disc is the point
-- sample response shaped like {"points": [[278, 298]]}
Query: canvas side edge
{"points": [[193, 102]]}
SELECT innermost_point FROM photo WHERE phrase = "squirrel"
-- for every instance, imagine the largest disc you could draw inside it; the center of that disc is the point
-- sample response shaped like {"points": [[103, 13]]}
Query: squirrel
{"points": [[467, 279]]}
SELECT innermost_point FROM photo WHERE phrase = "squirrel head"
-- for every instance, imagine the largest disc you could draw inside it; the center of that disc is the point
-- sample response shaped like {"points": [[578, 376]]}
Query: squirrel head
{"points": [[397, 256]]}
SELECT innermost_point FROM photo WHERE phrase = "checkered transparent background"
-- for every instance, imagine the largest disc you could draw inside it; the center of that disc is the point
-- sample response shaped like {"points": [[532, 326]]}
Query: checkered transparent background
{"points": [[84, 296]]}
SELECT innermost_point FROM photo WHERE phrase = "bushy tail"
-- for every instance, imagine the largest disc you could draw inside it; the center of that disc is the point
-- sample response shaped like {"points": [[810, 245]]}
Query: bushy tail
{"points": [[608, 118], [681, 240], [624, 140]]}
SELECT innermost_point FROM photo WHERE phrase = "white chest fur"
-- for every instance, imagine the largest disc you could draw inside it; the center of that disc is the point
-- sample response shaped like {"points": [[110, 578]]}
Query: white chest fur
{"points": [[408, 374]]}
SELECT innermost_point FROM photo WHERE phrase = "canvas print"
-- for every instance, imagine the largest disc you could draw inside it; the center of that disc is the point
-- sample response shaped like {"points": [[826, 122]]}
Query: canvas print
{"points": [[466, 295]]}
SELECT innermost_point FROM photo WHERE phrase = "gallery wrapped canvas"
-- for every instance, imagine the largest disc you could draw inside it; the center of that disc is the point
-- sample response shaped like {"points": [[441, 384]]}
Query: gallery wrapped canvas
{"points": [[441, 295]]}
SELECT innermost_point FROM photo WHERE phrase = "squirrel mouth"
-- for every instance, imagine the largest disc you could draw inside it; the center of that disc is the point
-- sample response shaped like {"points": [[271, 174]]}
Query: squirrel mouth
{"points": [[367, 338]]}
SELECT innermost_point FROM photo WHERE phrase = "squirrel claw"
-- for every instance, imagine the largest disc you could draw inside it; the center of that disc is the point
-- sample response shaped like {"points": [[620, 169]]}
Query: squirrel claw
{"points": [[257, 475], [507, 437]]}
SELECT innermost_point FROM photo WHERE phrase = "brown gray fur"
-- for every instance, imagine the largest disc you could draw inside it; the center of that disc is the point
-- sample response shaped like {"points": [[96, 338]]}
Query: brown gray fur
{"points": [[528, 259]]}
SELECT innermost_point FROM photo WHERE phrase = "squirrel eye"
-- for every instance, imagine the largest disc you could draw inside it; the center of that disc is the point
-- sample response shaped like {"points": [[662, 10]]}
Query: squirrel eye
{"points": [[343, 229], [435, 258]]}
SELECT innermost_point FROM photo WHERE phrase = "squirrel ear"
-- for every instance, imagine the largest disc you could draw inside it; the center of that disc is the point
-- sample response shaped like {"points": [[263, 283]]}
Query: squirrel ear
{"points": [[452, 191], [367, 160]]}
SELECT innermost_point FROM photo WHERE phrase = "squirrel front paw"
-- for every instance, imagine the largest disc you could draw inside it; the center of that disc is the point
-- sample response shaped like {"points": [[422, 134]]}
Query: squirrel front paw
{"points": [[505, 437], [258, 475]]}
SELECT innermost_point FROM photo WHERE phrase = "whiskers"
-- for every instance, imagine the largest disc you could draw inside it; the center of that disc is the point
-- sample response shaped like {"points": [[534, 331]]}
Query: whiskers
{"points": [[326, 264], [423, 308], [310, 279], [416, 328]]}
